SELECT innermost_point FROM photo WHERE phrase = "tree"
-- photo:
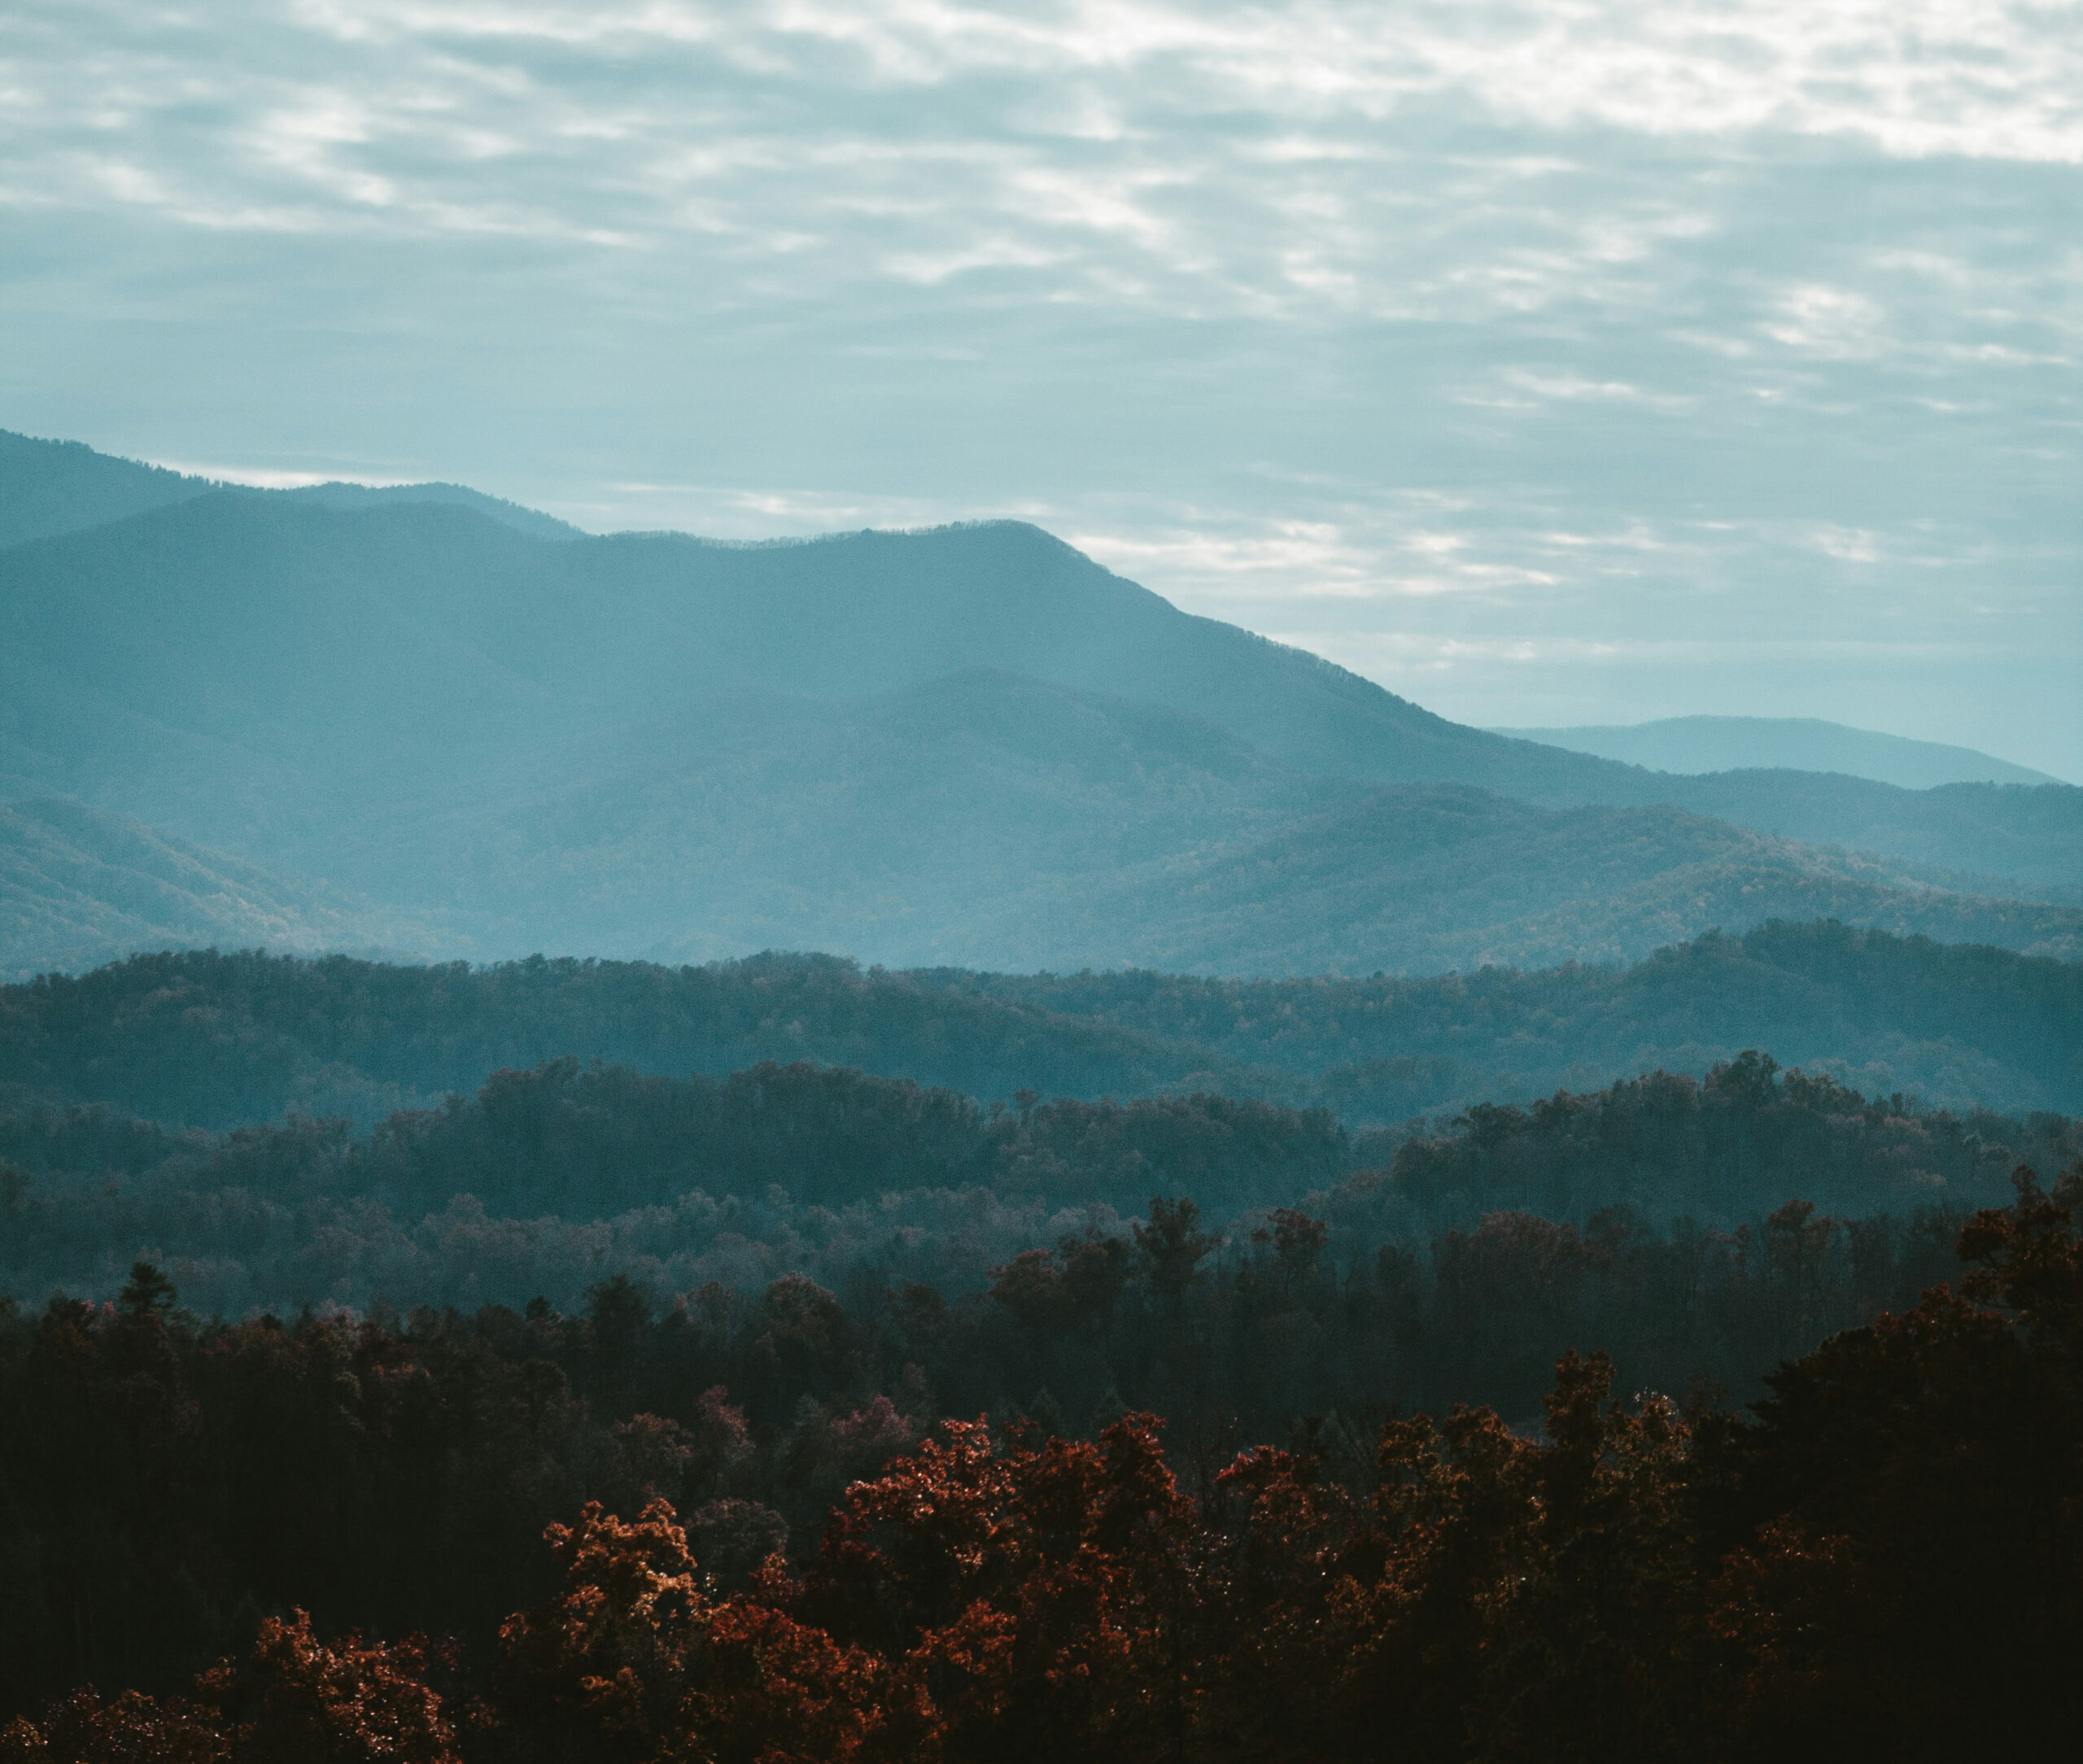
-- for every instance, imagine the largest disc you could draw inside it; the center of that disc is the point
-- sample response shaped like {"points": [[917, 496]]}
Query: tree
{"points": [[1171, 1246], [147, 1294]]}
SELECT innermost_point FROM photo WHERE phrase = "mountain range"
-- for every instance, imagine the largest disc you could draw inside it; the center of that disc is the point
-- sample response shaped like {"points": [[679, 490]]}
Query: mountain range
{"points": [[1797, 744], [417, 718]]}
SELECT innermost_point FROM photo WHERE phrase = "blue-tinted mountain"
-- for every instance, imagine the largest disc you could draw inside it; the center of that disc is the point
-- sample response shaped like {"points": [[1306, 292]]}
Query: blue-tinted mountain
{"points": [[1696, 744], [48, 487], [989, 820], [412, 640], [971, 745]]}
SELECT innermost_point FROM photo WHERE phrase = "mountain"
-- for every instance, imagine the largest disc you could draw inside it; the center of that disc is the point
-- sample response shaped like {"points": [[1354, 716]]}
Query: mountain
{"points": [[1418, 879], [1784, 744], [614, 629], [233, 664], [78, 888], [1992, 839], [48, 487], [63, 486], [201, 1039], [971, 745], [990, 819]]}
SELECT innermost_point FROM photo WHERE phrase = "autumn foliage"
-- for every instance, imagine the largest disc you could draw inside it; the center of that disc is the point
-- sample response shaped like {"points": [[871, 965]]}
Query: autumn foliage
{"points": [[1885, 1561]]}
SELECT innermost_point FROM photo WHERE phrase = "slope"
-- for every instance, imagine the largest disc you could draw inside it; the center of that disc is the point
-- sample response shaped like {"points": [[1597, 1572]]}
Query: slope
{"points": [[988, 820], [61, 486], [2002, 839], [78, 887], [1958, 1025]]}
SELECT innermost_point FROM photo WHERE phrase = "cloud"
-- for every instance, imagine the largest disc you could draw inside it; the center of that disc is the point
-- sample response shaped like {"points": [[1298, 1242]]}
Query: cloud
{"points": [[1504, 326]]}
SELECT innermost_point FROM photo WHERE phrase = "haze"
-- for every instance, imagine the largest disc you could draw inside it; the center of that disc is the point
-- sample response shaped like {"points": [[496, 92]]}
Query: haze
{"points": [[1546, 367]]}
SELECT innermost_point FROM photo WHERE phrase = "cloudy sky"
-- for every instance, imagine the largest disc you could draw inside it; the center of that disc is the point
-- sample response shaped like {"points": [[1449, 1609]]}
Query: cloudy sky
{"points": [[1556, 362]]}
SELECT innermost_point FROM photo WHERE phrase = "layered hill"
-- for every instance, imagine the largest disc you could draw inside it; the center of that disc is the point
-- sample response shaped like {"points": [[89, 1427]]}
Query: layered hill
{"points": [[991, 820], [235, 660], [972, 745], [1415, 881], [201, 1039], [1785, 743]]}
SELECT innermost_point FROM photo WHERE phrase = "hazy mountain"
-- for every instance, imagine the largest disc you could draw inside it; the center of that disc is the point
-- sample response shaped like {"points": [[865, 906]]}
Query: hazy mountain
{"points": [[1786, 744], [62, 486], [79, 888], [1996, 839], [1418, 878], [924, 825], [991, 820], [261, 592], [970, 745], [232, 660], [48, 488], [988, 819]]}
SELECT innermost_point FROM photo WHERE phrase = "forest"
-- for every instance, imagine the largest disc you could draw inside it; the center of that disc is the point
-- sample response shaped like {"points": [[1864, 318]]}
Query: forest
{"points": [[793, 1528], [550, 1179], [711, 1394], [199, 1038]]}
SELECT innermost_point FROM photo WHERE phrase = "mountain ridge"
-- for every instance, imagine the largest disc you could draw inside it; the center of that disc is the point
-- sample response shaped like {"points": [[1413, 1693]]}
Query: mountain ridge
{"points": [[55, 488], [217, 1040], [947, 746], [1697, 744]]}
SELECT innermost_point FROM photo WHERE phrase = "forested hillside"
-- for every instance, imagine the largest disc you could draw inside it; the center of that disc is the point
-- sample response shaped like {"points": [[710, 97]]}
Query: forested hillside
{"points": [[77, 886], [202, 1039], [1958, 1025], [548, 1180], [784, 1360]]}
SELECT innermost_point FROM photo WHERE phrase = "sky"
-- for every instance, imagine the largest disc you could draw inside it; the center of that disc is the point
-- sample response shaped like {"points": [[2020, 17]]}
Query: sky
{"points": [[1554, 363]]}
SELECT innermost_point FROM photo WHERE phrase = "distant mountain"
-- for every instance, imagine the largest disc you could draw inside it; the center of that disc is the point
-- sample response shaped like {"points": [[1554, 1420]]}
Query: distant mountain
{"points": [[64, 487], [48, 487], [1785, 743], [532, 521], [988, 820], [1994, 838], [203, 660], [991, 820], [218, 1040], [971, 745], [1417, 880], [78, 888], [617, 628]]}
